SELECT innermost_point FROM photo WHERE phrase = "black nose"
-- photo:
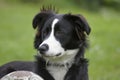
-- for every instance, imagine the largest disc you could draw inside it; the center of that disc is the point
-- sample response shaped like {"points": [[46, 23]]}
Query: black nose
{"points": [[43, 48]]}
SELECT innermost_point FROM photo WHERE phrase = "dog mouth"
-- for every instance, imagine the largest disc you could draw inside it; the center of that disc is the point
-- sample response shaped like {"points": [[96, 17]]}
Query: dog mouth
{"points": [[49, 55], [57, 55]]}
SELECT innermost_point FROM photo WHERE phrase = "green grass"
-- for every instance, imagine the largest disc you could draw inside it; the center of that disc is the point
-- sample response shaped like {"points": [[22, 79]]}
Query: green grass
{"points": [[104, 52], [17, 35]]}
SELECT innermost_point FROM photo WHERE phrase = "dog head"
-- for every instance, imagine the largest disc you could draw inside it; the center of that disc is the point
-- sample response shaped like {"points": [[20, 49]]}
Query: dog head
{"points": [[58, 33]]}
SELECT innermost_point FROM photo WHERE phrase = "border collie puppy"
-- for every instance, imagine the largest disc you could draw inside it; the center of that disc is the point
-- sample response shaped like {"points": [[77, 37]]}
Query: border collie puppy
{"points": [[60, 41]]}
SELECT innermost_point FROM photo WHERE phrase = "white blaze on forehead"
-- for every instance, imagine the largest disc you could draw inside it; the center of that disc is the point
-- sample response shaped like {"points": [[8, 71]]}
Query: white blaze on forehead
{"points": [[54, 22], [54, 45], [53, 26]]}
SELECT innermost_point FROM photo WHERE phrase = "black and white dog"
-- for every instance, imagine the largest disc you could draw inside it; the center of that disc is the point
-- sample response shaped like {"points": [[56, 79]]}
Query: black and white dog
{"points": [[60, 41]]}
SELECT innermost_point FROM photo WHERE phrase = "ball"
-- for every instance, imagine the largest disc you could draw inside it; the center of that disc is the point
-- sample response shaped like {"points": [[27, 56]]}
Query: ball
{"points": [[21, 75]]}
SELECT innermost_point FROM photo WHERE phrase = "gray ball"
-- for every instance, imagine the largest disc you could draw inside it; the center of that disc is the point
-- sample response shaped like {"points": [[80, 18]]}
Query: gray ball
{"points": [[22, 75]]}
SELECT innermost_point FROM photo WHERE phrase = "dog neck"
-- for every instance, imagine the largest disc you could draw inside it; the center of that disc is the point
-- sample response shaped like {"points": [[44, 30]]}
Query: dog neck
{"points": [[59, 66]]}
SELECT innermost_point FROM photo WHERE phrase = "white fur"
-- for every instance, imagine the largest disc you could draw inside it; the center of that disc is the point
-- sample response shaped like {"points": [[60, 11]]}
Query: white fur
{"points": [[59, 72], [66, 57], [54, 46]]}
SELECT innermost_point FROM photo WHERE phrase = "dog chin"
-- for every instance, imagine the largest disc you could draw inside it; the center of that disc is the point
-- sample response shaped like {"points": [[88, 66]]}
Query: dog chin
{"points": [[53, 58], [63, 57]]}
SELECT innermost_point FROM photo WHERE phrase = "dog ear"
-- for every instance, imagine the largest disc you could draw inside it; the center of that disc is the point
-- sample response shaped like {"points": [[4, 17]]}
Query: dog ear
{"points": [[84, 24], [45, 12], [80, 23], [39, 19]]}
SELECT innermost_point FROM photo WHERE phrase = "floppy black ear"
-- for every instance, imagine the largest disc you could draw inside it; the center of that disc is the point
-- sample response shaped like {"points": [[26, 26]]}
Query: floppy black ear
{"points": [[84, 24], [40, 18], [45, 12], [79, 22]]}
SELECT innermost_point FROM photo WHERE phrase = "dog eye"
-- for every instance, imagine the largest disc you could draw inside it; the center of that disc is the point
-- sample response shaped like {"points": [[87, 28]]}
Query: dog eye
{"points": [[59, 32], [45, 32]]}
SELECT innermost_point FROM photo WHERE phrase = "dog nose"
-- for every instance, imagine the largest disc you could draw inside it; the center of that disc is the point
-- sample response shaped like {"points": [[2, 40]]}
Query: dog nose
{"points": [[43, 48]]}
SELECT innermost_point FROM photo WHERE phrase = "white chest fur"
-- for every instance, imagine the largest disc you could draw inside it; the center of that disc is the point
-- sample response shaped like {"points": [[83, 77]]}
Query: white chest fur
{"points": [[57, 72]]}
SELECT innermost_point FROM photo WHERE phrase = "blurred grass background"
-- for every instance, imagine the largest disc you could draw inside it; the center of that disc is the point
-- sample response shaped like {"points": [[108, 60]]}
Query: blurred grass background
{"points": [[17, 34]]}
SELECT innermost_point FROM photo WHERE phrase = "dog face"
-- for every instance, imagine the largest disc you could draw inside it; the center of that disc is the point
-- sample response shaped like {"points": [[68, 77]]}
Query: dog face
{"points": [[59, 33]]}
